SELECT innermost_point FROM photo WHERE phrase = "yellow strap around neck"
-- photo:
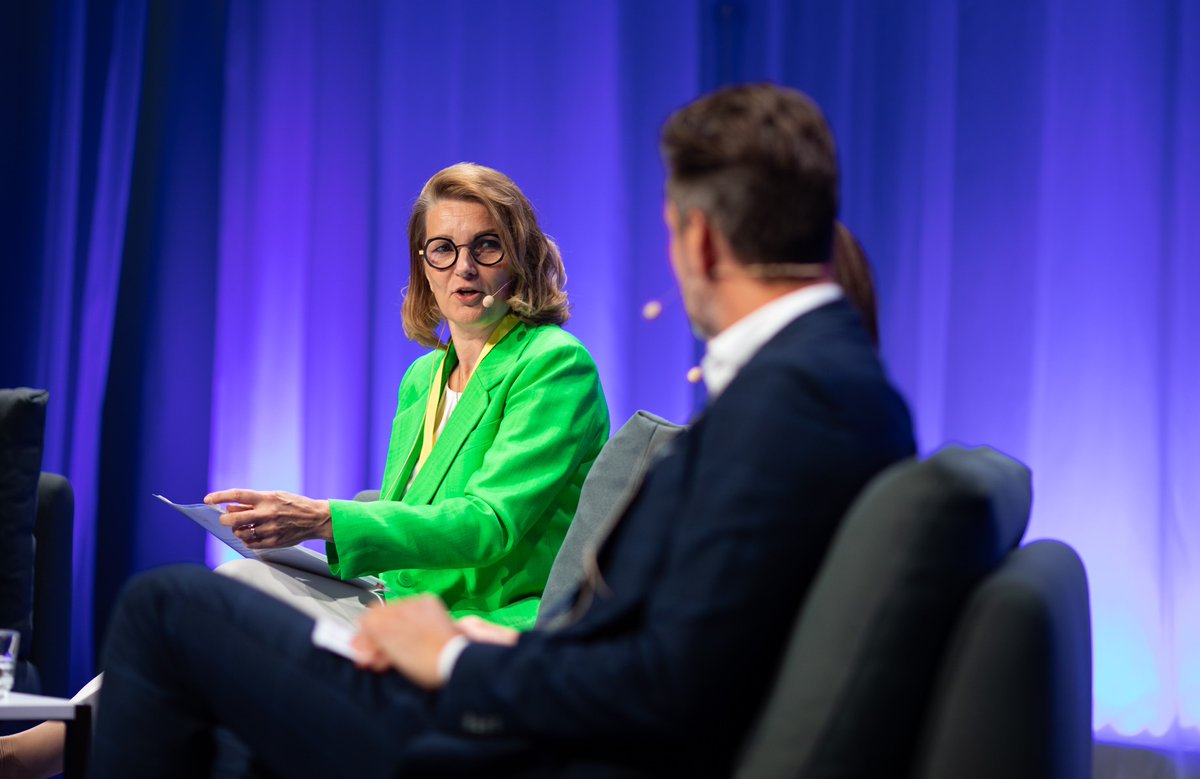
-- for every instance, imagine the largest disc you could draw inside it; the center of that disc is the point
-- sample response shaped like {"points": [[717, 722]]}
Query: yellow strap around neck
{"points": [[437, 387]]}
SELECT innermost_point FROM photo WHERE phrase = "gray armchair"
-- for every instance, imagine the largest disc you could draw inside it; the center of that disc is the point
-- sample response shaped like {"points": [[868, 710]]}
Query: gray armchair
{"points": [[617, 472], [927, 647], [1014, 694], [609, 486], [36, 540]]}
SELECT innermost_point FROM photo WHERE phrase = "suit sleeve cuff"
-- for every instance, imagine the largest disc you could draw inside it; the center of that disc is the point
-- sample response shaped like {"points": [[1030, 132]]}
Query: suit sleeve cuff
{"points": [[449, 655]]}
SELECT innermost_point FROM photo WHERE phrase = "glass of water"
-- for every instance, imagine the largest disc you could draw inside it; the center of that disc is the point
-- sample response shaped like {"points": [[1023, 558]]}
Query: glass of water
{"points": [[9, 641]]}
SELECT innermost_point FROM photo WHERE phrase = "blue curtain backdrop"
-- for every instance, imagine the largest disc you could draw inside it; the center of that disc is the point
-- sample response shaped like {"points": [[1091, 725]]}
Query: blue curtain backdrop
{"points": [[206, 214], [73, 89], [1027, 180]]}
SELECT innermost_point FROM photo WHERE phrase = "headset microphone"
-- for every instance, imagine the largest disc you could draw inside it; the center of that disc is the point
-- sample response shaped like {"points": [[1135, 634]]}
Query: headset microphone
{"points": [[651, 310], [489, 300]]}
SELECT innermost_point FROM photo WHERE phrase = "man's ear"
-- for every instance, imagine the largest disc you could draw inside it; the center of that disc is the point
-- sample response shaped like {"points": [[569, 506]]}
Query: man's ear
{"points": [[702, 239]]}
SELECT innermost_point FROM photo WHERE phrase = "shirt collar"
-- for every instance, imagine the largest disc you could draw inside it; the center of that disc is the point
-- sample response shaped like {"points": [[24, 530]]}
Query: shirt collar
{"points": [[733, 347]]}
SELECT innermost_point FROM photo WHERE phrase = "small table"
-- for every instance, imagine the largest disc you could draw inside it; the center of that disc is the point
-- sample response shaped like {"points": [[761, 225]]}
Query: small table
{"points": [[77, 717]]}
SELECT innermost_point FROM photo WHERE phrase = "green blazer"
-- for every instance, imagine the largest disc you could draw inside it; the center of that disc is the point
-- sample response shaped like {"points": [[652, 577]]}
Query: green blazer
{"points": [[485, 516]]}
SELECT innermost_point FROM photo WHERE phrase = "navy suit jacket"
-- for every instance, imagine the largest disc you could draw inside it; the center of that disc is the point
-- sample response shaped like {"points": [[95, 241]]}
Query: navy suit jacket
{"points": [[666, 667]]}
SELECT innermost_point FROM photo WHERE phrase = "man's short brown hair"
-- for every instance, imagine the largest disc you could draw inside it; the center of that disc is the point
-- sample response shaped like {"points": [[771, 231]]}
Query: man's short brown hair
{"points": [[759, 161]]}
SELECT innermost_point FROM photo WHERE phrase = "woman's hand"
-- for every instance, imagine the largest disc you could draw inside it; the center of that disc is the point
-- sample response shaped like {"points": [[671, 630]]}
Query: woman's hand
{"points": [[484, 632], [266, 520]]}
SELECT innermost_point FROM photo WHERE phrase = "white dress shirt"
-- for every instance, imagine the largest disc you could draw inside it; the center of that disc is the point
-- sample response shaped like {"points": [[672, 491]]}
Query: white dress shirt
{"points": [[733, 347]]}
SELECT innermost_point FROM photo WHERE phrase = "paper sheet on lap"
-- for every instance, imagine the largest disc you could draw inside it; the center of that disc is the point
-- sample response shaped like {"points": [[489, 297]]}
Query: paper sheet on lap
{"points": [[328, 634], [334, 636], [299, 557]]}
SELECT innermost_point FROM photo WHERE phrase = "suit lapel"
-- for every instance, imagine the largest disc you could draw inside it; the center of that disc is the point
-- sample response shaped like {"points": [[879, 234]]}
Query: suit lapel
{"points": [[466, 415]]}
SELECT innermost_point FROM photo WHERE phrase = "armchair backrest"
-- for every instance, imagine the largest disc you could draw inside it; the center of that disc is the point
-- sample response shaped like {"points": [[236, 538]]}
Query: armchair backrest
{"points": [[22, 422], [617, 472], [1014, 695], [865, 648]]}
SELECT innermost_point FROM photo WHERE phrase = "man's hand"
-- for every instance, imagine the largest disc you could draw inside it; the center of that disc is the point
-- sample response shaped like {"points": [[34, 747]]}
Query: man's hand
{"points": [[407, 635], [265, 520]]}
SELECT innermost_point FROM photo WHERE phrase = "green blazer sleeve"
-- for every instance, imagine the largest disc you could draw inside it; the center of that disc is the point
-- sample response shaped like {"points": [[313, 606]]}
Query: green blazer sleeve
{"points": [[483, 519]]}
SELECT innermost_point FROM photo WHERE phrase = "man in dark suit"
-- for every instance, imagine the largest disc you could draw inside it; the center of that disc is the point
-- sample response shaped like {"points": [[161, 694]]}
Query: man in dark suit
{"points": [[674, 640]]}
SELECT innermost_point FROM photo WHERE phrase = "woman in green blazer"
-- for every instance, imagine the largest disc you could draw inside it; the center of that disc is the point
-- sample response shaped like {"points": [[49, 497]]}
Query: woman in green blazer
{"points": [[481, 522], [495, 429]]}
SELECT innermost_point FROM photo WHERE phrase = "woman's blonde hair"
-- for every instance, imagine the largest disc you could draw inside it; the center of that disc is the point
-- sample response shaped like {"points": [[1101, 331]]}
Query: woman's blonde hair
{"points": [[536, 293]]}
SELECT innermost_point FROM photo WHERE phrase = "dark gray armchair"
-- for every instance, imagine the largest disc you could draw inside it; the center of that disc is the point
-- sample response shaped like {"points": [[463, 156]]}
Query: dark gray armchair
{"points": [[929, 648], [1014, 694], [36, 541], [53, 567]]}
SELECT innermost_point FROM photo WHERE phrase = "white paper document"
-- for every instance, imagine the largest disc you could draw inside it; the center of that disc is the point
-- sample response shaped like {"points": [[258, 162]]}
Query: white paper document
{"points": [[334, 636], [299, 557]]}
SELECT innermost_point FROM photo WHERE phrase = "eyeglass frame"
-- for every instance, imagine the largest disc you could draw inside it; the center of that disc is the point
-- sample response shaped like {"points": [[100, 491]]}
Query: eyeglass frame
{"points": [[424, 251]]}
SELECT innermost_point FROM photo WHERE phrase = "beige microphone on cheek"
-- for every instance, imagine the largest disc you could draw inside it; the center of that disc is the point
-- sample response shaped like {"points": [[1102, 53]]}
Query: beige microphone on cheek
{"points": [[489, 299]]}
